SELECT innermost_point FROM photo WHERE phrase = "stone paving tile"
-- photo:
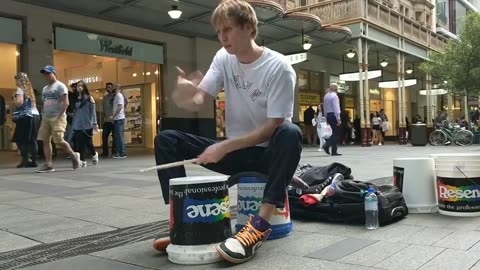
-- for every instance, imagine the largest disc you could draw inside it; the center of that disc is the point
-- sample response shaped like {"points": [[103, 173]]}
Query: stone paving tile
{"points": [[392, 233], [10, 195], [453, 259], [85, 262], [62, 182], [373, 254], [43, 189], [412, 257], [71, 233], [33, 217], [307, 243], [126, 202], [326, 227], [10, 241], [436, 220], [47, 225], [52, 205], [459, 240], [280, 261], [340, 249], [428, 236], [143, 254]]}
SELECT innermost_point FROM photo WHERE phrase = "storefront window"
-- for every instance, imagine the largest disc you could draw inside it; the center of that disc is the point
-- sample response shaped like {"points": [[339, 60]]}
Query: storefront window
{"points": [[8, 69], [139, 82]]}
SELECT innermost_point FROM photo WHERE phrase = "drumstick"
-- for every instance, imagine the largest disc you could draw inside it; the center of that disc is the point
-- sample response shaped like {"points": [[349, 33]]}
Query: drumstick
{"points": [[170, 165]]}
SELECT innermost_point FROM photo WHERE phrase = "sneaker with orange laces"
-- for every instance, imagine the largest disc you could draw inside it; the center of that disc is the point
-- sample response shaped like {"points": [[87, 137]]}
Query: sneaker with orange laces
{"points": [[161, 244], [244, 244]]}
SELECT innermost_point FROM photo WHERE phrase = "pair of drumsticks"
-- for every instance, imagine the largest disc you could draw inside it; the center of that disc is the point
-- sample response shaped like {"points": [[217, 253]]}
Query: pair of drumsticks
{"points": [[296, 181]]}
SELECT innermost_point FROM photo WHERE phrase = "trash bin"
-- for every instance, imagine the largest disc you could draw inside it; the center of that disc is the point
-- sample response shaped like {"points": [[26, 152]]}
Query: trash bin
{"points": [[418, 134]]}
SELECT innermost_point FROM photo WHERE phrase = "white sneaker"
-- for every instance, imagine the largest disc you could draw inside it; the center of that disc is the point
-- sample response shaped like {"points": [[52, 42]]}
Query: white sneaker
{"points": [[83, 164], [320, 149], [380, 144], [95, 159]]}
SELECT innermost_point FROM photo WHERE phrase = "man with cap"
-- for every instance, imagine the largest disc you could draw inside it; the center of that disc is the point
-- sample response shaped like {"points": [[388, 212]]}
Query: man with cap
{"points": [[54, 119]]}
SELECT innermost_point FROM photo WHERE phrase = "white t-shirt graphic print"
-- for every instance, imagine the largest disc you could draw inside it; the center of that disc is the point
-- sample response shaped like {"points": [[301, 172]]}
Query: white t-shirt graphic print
{"points": [[254, 92]]}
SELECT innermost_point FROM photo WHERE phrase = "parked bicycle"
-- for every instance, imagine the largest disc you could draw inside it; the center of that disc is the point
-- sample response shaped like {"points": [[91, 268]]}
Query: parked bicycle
{"points": [[446, 133]]}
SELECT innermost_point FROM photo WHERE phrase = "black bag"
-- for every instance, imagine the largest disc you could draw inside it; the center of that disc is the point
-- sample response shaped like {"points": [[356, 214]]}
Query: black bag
{"points": [[347, 204]]}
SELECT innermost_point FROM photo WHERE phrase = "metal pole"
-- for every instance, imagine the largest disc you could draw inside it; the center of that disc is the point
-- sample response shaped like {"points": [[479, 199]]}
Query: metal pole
{"points": [[429, 101]]}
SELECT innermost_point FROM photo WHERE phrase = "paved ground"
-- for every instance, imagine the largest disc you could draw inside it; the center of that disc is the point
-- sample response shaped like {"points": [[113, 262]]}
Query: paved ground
{"points": [[39, 210]]}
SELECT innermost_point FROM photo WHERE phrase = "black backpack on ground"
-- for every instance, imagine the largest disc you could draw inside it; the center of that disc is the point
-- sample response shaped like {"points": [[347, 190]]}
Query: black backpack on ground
{"points": [[347, 203]]}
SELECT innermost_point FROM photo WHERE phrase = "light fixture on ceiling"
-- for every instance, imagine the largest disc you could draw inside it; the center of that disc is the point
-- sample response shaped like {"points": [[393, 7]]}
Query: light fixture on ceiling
{"points": [[307, 45], [409, 70], [355, 76], [134, 74], [17, 53], [148, 73], [92, 36], [351, 54], [156, 72], [433, 92], [384, 63], [174, 13], [395, 84]]}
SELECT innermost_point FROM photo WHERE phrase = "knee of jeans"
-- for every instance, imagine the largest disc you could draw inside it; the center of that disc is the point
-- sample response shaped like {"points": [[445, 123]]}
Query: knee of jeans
{"points": [[288, 132], [165, 136]]}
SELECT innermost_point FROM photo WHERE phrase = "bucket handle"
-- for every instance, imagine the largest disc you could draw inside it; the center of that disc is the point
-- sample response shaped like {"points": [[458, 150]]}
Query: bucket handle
{"points": [[458, 168]]}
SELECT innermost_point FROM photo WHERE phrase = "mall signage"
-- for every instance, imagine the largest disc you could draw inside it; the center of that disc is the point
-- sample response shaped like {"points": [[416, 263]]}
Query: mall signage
{"points": [[293, 59], [107, 45]]}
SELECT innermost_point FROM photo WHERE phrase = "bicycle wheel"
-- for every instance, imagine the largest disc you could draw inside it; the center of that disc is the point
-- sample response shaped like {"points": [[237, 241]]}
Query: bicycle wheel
{"points": [[464, 137], [438, 137]]}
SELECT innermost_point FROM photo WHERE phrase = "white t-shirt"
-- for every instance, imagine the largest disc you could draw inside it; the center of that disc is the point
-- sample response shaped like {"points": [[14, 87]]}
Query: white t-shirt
{"points": [[119, 100], [52, 95], [254, 92], [376, 121]]}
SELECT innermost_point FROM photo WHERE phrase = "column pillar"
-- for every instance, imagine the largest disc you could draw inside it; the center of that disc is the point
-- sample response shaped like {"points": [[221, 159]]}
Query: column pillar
{"points": [[366, 91], [360, 94], [403, 108]]}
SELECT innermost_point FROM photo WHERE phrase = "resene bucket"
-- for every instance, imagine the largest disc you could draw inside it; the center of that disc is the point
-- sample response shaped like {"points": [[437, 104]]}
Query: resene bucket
{"points": [[415, 177], [199, 218], [458, 184], [250, 194]]}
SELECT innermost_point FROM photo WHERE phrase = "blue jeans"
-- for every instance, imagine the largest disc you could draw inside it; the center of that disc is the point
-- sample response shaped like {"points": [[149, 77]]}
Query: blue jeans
{"points": [[119, 140], [279, 160]]}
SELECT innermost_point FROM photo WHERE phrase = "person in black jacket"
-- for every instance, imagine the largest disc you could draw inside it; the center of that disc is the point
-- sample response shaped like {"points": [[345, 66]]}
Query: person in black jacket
{"points": [[3, 115], [70, 110]]}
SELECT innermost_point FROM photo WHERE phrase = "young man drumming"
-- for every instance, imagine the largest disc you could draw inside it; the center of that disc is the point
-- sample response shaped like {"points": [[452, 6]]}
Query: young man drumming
{"points": [[259, 91]]}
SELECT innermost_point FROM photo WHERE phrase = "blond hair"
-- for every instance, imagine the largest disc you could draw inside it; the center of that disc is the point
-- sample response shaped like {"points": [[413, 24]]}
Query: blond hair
{"points": [[241, 12], [26, 86]]}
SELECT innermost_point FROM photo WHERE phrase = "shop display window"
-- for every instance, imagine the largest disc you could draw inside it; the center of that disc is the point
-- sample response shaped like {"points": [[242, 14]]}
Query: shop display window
{"points": [[139, 82], [8, 69]]}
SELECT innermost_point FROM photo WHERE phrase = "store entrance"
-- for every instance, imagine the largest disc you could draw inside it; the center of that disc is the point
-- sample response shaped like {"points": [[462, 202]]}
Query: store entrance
{"points": [[8, 69], [138, 81]]}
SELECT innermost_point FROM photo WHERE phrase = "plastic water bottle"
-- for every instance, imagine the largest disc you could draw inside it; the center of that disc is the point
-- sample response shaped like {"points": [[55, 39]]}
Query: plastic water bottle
{"points": [[371, 210]]}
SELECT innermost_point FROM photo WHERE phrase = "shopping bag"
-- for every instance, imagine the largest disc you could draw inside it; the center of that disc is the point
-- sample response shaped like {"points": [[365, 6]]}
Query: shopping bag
{"points": [[326, 131]]}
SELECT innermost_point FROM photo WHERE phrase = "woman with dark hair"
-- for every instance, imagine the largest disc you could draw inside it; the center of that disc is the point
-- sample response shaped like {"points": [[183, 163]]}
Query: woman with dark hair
{"points": [[27, 120], [84, 123]]}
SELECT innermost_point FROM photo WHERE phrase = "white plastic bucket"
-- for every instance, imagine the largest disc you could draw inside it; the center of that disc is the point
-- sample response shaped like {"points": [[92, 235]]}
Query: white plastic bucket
{"points": [[250, 194], [199, 218], [415, 177], [458, 184]]}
